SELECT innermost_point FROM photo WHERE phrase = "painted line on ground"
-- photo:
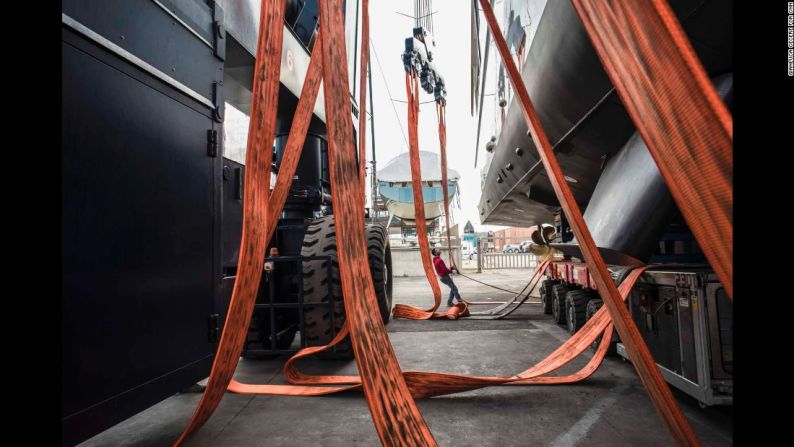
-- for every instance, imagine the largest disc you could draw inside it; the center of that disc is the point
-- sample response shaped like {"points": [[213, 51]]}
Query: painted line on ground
{"points": [[579, 430]]}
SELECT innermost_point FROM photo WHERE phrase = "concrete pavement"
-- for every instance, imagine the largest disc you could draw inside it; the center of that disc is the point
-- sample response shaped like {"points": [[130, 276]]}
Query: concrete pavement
{"points": [[610, 408]]}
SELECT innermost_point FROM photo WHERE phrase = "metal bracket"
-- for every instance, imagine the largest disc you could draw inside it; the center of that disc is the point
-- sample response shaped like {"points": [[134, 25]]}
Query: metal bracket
{"points": [[238, 191], [214, 328], [218, 101], [219, 32], [212, 142]]}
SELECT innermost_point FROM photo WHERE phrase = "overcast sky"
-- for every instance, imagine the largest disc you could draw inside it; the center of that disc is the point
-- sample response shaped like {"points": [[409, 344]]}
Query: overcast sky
{"points": [[451, 57]]}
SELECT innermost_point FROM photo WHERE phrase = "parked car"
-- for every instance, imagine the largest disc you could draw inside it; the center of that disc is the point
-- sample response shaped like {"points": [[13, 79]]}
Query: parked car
{"points": [[410, 240], [511, 248], [525, 246]]}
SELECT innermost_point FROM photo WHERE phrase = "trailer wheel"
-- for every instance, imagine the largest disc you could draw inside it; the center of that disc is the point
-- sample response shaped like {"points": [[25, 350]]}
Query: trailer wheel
{"points": [[558, 302], [576, 309], [545, 294], [320, 240], [592, 307]]}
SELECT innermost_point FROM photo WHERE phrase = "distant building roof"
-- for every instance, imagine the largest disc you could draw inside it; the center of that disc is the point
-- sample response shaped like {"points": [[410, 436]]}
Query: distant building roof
{"points": [[468, 228]]}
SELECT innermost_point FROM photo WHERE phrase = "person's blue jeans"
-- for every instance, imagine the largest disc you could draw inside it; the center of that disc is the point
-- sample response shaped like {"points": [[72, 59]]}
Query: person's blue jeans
{"points": [[453, 289]]}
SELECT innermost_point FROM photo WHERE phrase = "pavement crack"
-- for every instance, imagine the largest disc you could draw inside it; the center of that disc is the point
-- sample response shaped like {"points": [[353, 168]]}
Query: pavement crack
{"points": [[247, 403], [220, 432]]}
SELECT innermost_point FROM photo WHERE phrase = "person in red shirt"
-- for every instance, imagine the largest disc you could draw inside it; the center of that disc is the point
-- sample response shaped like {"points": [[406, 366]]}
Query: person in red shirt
{"points": [[444, 276]]}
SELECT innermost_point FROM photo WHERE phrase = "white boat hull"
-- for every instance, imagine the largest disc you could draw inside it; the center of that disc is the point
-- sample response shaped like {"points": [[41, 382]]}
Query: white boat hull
{"points": [[406, 212]]}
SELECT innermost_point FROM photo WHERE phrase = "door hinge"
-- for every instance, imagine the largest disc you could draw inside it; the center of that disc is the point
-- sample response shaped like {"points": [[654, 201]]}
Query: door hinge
{"points": [[212, 142], [214, 328], [219, 31], [238, 191], [218, 101]]}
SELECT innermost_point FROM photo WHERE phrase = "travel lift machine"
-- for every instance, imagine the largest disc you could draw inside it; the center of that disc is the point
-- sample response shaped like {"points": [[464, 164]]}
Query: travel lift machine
{"points": [[152, 201]]}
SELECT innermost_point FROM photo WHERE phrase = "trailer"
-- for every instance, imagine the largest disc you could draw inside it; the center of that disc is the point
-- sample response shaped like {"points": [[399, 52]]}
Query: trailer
{"points": [[682, 312]]}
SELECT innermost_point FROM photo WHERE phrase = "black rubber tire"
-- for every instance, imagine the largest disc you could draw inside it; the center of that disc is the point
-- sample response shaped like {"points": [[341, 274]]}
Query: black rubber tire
{"points": [[320, 240], [592, 307], [379, 255], [545, 294], [576, 309], [558, 292]]}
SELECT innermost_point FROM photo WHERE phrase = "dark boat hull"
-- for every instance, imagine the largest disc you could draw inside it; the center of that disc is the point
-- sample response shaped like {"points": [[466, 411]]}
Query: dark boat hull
{"points": [[582, 115]]}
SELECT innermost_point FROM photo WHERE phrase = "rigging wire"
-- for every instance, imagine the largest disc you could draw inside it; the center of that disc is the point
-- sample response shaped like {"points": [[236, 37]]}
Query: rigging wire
{"points": [[383, 76], [423, 15], [482, 91]]}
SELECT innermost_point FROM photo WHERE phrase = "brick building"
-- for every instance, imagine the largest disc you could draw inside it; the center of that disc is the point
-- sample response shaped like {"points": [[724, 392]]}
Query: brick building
{"points": [[510, 236]]}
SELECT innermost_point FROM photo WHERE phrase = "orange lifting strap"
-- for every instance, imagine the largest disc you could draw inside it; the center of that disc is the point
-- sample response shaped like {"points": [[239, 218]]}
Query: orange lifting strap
{"points": [[362, 116], [403, 310], [258, 159], [388, 390], [641, 357], [688, 129], [500, 311], [382, 381], [441, 113], [460, 309]]}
